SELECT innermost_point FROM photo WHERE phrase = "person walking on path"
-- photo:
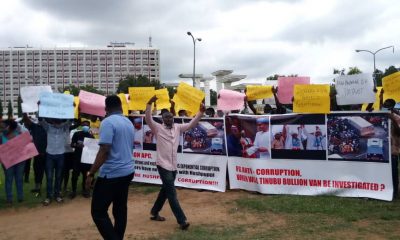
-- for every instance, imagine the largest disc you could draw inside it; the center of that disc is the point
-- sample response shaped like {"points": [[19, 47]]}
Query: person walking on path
{"points": [[114, 159], [167, 135]]}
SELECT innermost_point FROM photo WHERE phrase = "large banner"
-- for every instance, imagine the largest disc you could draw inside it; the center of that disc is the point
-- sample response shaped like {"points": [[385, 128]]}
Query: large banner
{"points": [[344, 154], [201, 159]]}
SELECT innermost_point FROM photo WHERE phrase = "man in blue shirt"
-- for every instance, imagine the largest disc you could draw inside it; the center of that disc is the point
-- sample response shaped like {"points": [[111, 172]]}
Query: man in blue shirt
{"points": [[116, 171]]}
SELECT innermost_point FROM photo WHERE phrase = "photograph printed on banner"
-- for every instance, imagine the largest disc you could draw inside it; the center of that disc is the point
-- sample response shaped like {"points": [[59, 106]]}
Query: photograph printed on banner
{"points": [[137, 122], [301, 136], [205, 138], [248, 136], [149, 139], [358, 137]]}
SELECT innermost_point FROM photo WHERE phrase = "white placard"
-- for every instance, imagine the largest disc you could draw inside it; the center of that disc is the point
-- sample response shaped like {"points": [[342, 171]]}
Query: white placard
{"points": [[354, 89], [90, 149], [30, 97]]}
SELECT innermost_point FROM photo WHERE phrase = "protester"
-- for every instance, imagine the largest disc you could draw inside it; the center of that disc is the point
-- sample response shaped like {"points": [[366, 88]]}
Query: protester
{"points": [[16, 171], [78, 167], [39, 162], [116, 171], [56, 130], [168, 135], [68, 159], [210, 112]]}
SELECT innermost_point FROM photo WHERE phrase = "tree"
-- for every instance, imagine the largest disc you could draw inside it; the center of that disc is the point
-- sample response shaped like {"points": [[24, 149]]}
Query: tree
{"points": [[276, 76], [140, 81], [19, 106], [171, 91], [74, 90], [353, 71], [379, 74], [213, 97], [10, 110]]}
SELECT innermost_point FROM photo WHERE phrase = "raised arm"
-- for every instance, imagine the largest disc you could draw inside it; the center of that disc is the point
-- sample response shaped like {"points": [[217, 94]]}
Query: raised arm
{"points": [[195, 120], [148, 117]]}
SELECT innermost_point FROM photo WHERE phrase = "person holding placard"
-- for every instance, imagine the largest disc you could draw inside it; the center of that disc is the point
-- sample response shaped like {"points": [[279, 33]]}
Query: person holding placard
{"points": [[114, 159], [168, 136], [10, 131], [78, 167]]}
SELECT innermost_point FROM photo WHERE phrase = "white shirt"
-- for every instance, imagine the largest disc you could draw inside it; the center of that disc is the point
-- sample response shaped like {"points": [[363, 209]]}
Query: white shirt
{"points": [[262, 140], [138, 138]]}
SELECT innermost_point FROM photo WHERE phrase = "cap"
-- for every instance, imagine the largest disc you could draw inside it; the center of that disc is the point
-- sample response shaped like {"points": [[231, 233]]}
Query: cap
{"points": [[262, 120]]}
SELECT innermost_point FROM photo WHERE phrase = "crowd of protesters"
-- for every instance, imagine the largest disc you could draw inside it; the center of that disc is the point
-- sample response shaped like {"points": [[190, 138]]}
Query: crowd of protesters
{"points": [[60, 144]]}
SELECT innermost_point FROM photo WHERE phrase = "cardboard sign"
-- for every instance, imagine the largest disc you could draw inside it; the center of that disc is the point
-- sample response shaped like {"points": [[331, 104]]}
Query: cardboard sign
{"points": [[391, 87], [56, 105], [18, 149], [30, 97], [354, 89], [285, 87], [230, 100], [92, 103], [254, 92], [139, 97], [90, 149], [162, 99], [312, 98]]}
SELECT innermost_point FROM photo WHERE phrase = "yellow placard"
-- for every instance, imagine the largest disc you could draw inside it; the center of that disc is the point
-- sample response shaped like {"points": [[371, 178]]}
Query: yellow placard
{"points": [[76, 108], [377, 104], [254, 92], [162, 99], [139, 96], [391, 87], [67, 92], [188, 97], [124, 104], [312, 98]]}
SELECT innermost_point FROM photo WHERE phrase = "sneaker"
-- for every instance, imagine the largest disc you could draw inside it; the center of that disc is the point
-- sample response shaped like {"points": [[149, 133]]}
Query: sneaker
{"points": [[46, 202], [59, 199], [184, 226]]}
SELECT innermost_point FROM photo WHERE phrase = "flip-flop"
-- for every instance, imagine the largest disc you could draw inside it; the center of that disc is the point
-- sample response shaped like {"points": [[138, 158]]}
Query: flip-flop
{"points": [[157, 218]]}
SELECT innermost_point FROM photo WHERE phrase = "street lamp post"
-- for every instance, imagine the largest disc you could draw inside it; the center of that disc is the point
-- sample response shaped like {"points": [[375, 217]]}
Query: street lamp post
{"points": [[194, 55], [373, 54]]}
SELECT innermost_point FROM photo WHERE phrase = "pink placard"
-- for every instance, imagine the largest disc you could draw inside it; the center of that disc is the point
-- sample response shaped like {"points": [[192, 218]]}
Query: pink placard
{"points": [[92, 103], [18, 149], [230, 100], [285, 87]]}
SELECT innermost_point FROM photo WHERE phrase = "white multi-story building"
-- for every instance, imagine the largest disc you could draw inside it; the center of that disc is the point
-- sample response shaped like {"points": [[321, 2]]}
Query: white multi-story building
{"points": [[60, 67]]}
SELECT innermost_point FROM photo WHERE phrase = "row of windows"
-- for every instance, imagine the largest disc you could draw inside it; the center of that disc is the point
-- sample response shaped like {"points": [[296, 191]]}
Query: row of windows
{"points": [[74, 53]]}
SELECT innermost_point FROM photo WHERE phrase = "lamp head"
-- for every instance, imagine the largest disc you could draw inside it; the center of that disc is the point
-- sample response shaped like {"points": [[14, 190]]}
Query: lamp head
{"points": [[189, 33], [199, 39], [357, 50]]}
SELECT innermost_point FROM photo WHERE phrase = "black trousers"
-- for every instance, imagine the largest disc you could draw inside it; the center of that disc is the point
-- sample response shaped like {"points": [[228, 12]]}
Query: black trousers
{"points": [[39, 164], [79, 168], [107, 191], [27, 169]]}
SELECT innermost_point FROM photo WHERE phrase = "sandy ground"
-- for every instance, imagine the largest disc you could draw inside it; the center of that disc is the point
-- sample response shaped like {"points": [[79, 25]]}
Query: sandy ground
{"points": [[72, 220]]}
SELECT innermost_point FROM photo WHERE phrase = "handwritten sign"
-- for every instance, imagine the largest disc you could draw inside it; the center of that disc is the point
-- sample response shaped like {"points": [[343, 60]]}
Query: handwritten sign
{"points": [[124, 104], [391, 86], [18, 149], [230, 100], [354, 89], [377, 104], [254, 92], [90, 149], [285, 87], [162, 99], [188, 97], [76, 108], [30, 97], [56, 105], [312, 98], [92, 103], [139, 97]]}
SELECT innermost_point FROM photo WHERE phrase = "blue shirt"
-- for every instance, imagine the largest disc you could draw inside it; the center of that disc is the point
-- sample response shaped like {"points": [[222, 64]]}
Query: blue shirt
{"points": [[56, 139], [117, 131]]}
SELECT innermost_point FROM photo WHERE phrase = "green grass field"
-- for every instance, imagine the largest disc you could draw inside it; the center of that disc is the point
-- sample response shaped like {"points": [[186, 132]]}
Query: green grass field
{"points": [[278, 216]]}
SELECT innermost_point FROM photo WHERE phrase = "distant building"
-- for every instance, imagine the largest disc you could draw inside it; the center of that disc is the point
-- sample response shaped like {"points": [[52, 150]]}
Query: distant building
{"points": [[59, 67]]}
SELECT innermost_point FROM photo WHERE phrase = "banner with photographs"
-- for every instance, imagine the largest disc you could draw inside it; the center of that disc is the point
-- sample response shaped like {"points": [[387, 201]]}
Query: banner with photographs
{"points": [[344, 154], [201, 160]]}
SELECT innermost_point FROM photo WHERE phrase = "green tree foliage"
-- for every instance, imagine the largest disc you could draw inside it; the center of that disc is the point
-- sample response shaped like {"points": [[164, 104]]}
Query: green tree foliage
{"points": [[140, 81], [379, 74], [9, 110], [275, 76], [19, 106], [171, 91], [213, 97], [353, 71], [74, 90]]}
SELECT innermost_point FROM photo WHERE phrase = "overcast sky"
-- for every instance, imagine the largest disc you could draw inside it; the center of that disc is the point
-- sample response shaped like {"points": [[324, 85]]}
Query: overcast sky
{"points": [[252, 37]]}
